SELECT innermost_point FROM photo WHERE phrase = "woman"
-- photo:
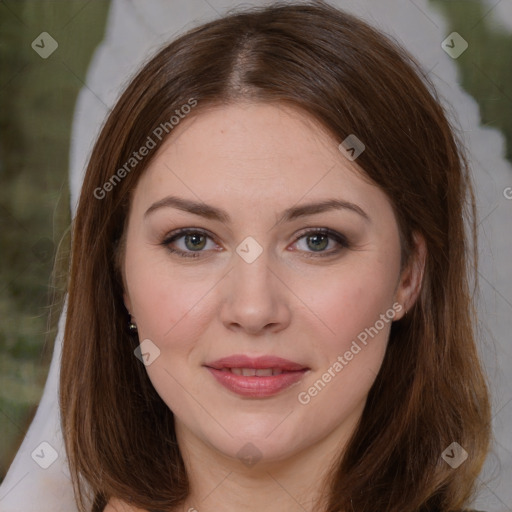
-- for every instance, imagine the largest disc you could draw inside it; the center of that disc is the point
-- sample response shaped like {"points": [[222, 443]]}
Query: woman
{"points": [[269, 304]]}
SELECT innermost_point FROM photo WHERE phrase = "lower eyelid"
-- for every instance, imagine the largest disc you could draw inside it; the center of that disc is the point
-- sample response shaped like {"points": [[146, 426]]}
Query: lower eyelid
{"points": [[184, 254]]}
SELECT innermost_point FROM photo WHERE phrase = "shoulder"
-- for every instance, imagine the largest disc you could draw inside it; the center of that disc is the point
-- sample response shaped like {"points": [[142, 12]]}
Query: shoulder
{"points": [[115, 505]]}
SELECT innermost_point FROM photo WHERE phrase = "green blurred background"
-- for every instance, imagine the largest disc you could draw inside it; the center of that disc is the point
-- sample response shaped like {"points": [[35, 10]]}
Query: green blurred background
{"points": [[37, 99]]}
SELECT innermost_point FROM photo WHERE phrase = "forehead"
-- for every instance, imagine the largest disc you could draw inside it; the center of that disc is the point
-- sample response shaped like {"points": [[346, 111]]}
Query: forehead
{"points": [[257, 154]]}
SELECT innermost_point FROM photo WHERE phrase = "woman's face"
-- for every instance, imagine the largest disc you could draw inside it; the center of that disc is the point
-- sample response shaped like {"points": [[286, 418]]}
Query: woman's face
{"points": [[222, 261]]}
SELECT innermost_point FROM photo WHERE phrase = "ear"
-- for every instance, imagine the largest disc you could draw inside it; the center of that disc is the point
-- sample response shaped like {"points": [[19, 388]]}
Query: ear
{"points": [[119, 263], [411, 278], [120, 249], [126, 296], [127, 302]]}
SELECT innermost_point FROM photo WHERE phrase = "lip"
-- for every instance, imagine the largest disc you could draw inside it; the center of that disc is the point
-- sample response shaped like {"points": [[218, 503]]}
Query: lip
{"points": [[255, 386], [243, 361]]}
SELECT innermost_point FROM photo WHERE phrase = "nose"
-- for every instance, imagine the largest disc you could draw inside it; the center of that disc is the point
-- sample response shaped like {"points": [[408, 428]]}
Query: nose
{"points": [[255, 299]]}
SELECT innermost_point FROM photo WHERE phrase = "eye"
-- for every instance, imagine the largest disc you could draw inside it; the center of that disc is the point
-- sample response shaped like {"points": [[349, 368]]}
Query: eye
{"points": [[319, 239], [194, 241]]}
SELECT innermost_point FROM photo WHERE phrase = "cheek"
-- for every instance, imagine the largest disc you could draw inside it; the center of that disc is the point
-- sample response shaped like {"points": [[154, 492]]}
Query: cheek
{"points": [[352, 306], [173, 308], [350, 300], [166, 300]]}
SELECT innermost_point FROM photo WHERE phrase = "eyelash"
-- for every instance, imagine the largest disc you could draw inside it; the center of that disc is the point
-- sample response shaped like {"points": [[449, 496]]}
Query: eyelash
{"points": [[334, 235]]}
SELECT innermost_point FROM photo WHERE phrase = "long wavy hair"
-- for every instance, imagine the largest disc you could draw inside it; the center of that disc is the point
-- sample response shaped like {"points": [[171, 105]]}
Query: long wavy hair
{"points": [[430, 391]]}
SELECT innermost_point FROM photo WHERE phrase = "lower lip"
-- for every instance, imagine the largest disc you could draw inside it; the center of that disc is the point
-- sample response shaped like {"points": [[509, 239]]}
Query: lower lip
{"points": [[256, 387]]}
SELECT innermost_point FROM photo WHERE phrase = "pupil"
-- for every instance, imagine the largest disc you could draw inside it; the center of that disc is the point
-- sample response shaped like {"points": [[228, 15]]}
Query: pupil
{"points": [[322, 245], [195, 238]]}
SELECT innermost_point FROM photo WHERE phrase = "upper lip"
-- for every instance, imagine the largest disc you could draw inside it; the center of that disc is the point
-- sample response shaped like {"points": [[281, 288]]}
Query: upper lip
{"points": [[261, 362]]}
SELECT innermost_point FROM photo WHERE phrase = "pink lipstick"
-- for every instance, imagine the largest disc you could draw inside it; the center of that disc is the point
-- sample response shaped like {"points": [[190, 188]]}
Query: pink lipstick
{"points": [[256, 377]]}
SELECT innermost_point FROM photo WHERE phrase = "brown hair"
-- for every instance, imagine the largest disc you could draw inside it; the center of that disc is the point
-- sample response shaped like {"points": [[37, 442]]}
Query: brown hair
{"points": [[430, 390]]}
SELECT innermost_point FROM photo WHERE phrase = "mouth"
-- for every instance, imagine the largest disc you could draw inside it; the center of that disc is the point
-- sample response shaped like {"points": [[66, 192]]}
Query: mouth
{"points": [[259, 377], [255, 372]]}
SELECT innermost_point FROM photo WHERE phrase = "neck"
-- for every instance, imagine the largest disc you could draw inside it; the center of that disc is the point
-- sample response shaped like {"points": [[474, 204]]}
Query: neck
{"points": [[218, 482]]}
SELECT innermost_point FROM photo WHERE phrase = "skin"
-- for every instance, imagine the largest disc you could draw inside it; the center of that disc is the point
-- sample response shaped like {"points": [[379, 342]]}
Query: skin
{"points": [[255, 160]]}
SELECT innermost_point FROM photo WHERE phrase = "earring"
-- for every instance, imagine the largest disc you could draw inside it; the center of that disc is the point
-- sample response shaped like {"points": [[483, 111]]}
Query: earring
{"points": [[132, 326]]}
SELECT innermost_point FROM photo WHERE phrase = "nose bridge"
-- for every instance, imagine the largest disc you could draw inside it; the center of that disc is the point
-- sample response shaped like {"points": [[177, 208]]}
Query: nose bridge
{"points": [[253, 297], [252, 269], [252, 256]]}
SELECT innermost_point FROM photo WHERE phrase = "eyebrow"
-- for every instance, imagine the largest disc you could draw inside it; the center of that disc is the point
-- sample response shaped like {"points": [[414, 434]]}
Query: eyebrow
{"points": [[214, 213]]}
